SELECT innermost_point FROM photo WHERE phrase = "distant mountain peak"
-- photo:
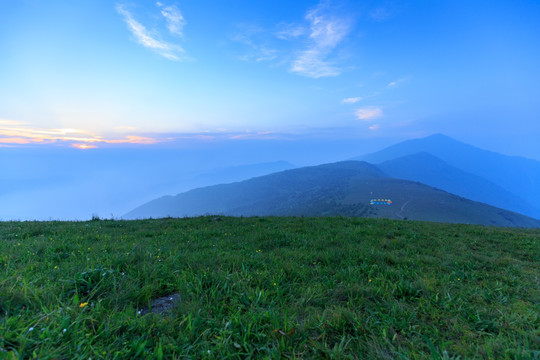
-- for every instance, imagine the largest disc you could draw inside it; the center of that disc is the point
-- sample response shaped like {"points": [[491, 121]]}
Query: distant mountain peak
{"points": [[515, 175], [439, 136]]}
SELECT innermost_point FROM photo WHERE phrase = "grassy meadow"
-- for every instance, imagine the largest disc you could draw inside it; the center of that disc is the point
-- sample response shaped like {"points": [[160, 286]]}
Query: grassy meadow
{"points": [[269, 288]]}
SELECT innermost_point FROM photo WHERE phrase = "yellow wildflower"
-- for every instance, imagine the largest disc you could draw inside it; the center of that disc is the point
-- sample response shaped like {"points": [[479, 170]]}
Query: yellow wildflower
{"points": [[83, 304]]}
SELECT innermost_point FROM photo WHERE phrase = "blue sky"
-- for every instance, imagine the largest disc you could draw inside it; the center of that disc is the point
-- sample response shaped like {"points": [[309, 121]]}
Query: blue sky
{"points": [[92, 73]]}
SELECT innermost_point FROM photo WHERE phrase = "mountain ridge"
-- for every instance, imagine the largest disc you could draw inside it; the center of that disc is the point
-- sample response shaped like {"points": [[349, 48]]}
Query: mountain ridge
{"points": [[342, 188], [517, 175], [430, 170]]}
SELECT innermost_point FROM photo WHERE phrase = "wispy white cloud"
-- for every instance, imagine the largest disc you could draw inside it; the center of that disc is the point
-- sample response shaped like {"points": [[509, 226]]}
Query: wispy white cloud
{"points": [[311, 43], [351, 100], [246, 33], [374, 127], [368, 113], [252, 135], [144, 37], [311, 63], [326, 32], [290, 31], [398, 82], [364, 113], [174, 18], [259, 50], [260, 53]]}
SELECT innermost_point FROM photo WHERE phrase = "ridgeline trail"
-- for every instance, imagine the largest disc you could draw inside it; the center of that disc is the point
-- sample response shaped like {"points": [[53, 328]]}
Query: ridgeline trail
{"points": [[399, 213]]}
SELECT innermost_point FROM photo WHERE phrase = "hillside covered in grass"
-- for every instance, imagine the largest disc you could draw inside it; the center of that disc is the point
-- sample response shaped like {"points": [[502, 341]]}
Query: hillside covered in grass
{"points": [[340, 288], [337, 189]]}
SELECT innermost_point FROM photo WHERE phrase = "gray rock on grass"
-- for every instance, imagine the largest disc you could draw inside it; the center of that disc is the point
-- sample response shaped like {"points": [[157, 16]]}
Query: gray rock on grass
{"points": [[160, 306]]}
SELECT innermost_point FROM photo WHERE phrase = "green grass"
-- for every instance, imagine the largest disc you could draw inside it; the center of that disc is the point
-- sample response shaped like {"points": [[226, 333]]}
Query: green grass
{"points": [[276, 288]]}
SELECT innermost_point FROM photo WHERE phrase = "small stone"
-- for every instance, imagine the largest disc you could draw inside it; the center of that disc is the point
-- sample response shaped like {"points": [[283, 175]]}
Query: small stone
{"points": [[161, 305]]}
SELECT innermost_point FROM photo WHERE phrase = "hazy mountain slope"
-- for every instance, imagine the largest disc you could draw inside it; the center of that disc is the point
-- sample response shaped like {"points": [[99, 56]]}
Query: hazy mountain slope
{"points": [[222, 175], [270, 194], [518, 175], [343, 188], [430, 170]]}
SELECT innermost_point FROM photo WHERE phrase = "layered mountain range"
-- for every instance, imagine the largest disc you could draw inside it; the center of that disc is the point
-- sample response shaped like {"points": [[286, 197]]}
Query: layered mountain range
{"points": [[434, 179]]}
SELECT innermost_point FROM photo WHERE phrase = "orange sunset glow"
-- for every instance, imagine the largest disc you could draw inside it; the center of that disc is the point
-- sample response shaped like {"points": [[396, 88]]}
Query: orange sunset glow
{"points": [[84, 146], [15, 133]]}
